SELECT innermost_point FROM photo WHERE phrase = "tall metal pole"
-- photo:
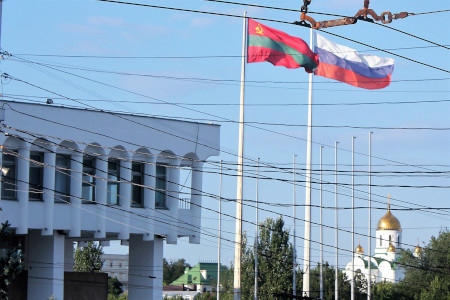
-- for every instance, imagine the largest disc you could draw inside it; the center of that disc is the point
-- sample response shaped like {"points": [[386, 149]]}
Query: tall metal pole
{"points": [[220, 234], [336, 224], [352, 294], [321, 229], [240, 168], [369, 281], [255, 297], [294, 252], [307, 235]]}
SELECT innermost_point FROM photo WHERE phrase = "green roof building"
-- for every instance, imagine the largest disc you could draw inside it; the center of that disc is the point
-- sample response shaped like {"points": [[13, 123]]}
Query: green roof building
{"points": [[202, 277]]}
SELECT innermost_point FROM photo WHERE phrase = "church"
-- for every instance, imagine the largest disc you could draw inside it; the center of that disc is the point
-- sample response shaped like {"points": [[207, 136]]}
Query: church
{"points": [[384, 262]]}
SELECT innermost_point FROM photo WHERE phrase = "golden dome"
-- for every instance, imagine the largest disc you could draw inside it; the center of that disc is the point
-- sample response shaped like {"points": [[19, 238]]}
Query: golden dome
{"points": [[417, 250], [359, 249], [391, 248], [389, 222]]}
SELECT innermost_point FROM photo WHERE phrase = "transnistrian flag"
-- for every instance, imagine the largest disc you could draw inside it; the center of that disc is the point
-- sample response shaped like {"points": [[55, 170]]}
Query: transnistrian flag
{"points": [[347, 65], [278, 48]]}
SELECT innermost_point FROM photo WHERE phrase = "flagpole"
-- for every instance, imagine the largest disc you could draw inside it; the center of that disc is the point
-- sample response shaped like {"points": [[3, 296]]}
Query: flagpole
{"points": [[369, 281], [255, 296], [294, 253], [321, 227], [240, 167], [352, 294], [336, 225], [220, 235], [307, 235]]}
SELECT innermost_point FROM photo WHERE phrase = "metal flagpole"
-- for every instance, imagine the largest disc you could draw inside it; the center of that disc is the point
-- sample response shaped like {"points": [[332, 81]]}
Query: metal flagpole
{"points": [[256, 233], [294, 253], [307, 235], [240, 167], [352, 294], [220, 235], [321, 228], [336, 272], [369, 281]]}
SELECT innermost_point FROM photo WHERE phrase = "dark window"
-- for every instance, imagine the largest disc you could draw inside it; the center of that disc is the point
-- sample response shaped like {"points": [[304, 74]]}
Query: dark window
{"points": [[113, 181], [9, 172], [62, 178], [161, 186], [137, 197], [381, 241], [36, 179], [88, 186]]}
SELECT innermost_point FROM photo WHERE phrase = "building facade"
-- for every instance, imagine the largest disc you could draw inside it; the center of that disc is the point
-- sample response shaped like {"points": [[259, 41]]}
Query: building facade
{"points": [[76, 175], [383, 263]]}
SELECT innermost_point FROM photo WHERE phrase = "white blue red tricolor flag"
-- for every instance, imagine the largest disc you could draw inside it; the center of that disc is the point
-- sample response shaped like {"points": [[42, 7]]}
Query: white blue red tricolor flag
{"points": [[347, 65]]}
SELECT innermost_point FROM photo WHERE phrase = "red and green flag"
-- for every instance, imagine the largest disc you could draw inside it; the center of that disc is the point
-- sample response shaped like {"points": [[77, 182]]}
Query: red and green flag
{"points": [[278, 48]]}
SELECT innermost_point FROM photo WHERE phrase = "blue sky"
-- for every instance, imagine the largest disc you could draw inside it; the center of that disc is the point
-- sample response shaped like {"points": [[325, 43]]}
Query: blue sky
{"points": [[192, 65]]}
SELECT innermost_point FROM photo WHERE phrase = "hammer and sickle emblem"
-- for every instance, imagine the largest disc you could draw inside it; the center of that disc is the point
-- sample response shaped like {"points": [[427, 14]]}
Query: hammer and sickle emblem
{"points": [[259, 30]]}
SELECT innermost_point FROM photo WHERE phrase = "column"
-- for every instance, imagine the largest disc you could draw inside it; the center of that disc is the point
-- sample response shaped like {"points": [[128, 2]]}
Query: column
{"points": [[23, 177], [68, 255], [149, 196], [49, 192], [101, 163], [145, 265], [125, 198], [172, 199], [196, 202], [76, 165], [45, 266]]}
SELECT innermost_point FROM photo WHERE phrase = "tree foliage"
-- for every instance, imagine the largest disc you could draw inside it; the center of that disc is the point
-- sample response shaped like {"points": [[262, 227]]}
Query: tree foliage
{"points": [[115, 287], [10, 260], [89, 258], [427, 277], [173, 270], [275, 262]]}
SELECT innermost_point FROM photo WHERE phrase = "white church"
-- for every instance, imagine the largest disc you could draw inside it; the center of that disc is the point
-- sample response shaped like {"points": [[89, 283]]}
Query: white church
{"points": [[383, 263], [75, 175]]}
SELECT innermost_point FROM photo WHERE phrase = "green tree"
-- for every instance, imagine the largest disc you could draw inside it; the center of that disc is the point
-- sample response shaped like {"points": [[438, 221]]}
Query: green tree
{"points": [[89, 258], [275, 262], [10, 260], [173, 270], [115, 287], [427, 277]]}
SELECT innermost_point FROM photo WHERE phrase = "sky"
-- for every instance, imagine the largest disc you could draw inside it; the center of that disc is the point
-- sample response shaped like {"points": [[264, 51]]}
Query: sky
{"points": [[185, 63]]}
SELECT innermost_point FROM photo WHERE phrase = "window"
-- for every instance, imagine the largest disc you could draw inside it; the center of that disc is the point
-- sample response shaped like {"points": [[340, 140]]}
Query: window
{"points": [[381, 241], [36, 179], [137, 197], [9, 171], [161, 181], [113, 181], [88, 186], [62, 178]]}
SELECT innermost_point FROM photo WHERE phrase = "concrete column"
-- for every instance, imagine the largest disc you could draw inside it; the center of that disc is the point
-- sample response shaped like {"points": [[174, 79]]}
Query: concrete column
{"points": [[196, 202], [145, 265], [45, 266], [125, 198], [172, 199], [23, 177], [68, 255], [101, 172], [49, 192], [149, 196], [76, 165]]}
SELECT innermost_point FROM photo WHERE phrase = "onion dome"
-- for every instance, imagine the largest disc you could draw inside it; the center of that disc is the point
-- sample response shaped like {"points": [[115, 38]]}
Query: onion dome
{"points": [[359, 249], [389, 221], [417, 250], [391, 248]]}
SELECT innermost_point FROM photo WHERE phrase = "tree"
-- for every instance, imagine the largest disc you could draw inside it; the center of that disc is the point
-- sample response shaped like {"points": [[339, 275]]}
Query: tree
{"points": [[173, 270], [89, 258], [427, 277], [114, 286], [275, 263], [10, 261]]}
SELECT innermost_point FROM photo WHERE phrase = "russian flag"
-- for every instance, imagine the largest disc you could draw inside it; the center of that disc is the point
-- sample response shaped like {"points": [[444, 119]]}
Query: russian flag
{"points": [[347, 65]]}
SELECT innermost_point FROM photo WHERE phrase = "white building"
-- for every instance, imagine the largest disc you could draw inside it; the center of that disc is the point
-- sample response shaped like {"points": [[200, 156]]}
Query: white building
{"points": [[80, 175], [116, 265], [383, 265]]}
